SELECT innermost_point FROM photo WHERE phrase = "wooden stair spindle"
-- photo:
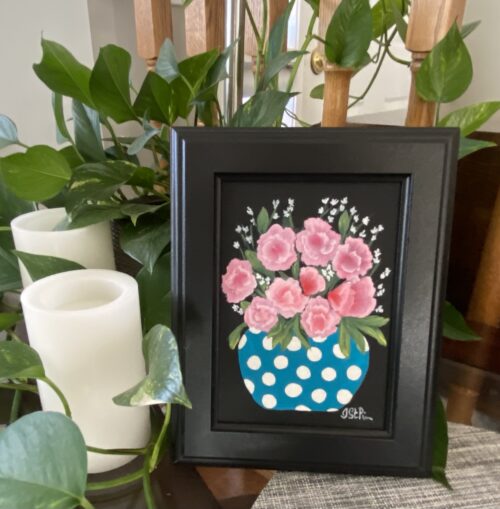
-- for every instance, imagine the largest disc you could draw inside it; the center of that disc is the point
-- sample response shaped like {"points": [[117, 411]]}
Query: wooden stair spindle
{"points": [[153, 24], [428, 23], [204, 24], [337, 79]]}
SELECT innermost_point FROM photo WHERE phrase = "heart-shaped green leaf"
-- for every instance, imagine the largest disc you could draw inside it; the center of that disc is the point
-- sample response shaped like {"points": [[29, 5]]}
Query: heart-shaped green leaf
{"points": [[37, 175], [11, 206], [277, 36], [383, 15], [166, 64], [8, 132], [87, 132], [136, 210], [276, 65], [18, 360], [156, 99], [62, 133], [317, 92], [262, 110], [7, 320], [43, 463], [93, 213], [468, 28], [470, 118], [40, 266], [163, 383], [446, 72], [109, 83], [138, 144], [349, 33], [469, 146], [455, 326], [62, 72], [10, 278]]}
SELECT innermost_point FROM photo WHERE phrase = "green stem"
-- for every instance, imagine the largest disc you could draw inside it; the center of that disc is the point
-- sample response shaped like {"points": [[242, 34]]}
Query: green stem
{"points": [[264, 21], [438, 108], [21, 144], [16, 404], [116, 143], [252, 22], [113, 483], [148, 490], [20, 387], [86, 504], [155, 454], [14, 336], [59, 393], [118, 452]]}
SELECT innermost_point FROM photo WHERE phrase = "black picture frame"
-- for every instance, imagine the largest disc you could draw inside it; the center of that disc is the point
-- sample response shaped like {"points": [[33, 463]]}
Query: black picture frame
{"points": [[203, 162]]}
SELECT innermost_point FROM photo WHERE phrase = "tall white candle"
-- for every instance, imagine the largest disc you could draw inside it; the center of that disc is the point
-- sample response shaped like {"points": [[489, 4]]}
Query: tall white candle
{"points": [[90, 246], [86, 327]]}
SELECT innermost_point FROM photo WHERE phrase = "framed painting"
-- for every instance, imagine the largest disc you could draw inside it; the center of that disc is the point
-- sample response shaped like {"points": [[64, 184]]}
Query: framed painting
{"points": [[307, 279]]}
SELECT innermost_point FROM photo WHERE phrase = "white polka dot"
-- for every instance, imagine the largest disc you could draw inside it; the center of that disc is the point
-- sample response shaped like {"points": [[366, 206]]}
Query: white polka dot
{"points": [[254, 362], [344, 396], [293, 390], [267, 343], [268, 379], [319, 340], [318, 395], [269, 401], [243, 342], [253, 330], [333, 410], [302, 408], [354, 372], [294, 345], [281, 362], [303, 372], [338, 352], [314, 354], [329, 374], [249, 385]]}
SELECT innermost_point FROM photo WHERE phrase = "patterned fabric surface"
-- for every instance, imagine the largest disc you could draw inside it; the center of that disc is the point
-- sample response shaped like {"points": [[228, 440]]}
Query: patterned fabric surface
{"points": [[473, 471]]}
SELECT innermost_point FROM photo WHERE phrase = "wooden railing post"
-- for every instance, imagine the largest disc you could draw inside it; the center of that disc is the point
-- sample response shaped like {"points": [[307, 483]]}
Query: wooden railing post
{"points": [[204, 23], [428, 23]]}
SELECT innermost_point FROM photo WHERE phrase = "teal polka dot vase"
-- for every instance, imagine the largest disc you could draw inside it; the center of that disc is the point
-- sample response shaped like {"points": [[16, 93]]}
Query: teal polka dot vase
{"points": [[318, 379]]}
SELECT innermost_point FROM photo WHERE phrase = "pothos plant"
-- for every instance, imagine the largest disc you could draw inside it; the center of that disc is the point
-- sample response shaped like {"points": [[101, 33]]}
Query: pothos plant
{"points": [[97, 175]]}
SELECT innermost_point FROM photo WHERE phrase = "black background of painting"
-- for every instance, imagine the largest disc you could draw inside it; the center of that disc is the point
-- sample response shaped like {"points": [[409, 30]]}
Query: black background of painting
{"points": [[377, 197]]}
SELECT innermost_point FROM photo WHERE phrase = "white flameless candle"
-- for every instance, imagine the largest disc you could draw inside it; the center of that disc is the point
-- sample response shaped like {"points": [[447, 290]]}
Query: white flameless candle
{"points": [[35, 233], [86, 327]]}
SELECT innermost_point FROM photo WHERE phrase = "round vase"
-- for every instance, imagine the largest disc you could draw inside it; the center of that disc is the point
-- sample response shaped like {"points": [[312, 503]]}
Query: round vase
{"points": [[317, 379]]}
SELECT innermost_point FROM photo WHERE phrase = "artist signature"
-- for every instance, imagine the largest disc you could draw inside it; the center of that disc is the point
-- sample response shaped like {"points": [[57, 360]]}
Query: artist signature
{"points": [[355, 414]]}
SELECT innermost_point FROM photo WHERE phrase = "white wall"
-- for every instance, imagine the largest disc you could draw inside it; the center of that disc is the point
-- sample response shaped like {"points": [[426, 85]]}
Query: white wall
{"points": [[23, 97]]}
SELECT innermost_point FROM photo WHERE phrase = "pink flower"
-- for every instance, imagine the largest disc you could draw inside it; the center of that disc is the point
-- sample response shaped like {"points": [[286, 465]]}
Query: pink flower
{"points": [[287, 296], [354, 298], [275, 248], [311, 281], [261, 314], [317, 242], [352, 259], [238, 282], [319, 320]]}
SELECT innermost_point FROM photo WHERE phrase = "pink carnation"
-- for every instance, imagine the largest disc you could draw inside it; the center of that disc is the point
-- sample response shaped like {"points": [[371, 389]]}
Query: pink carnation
{"points": [[238, 282], [287, 296], [261, 314], [275, 248], [319, 320], [317, 242], [352, 259], [354, 298], [311, 281]]}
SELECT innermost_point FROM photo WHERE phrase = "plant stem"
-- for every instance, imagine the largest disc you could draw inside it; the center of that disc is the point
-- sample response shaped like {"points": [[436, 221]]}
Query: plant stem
{"points": [[116, 143], [252, 22], [113, 483], [16, 404], [59, 393], [438, 108], [21, 144], [117, 452], [155, 458], [86, 504], [148, 490], [14, 336], [19, 387]]}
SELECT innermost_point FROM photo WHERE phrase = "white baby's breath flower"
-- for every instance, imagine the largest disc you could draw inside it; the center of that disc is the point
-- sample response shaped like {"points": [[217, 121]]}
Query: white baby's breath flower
{"points": [[343, 200], [352, 229], [356, 218], [374, 230], [380, 228], [321, 210], [291, 202], [380, 286], [362, 234], [382, 276], [379, 309], [342, 208], [249, 239], [275, 204], [249, 211], [365, 220], [377, 252], [244, 229], [330, 219], [286, 213], [373, 238], [236, 245], [324, 201], [333, 201], [252, 221], [353, 210], [238, 229], [333, 212], [275, 215]]}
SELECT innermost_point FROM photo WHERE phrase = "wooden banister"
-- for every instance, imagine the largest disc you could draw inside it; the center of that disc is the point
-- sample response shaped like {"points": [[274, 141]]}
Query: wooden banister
{"points": [[204, 23]]}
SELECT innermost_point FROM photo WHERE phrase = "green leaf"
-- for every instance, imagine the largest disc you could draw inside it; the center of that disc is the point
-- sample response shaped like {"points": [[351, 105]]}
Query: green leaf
{"points": [[468, 28], [344, 221], [440, 445], [154, 293], [38, 174], [196, 68], [470, 118], [349, 33], [87, 132], [71, 155], [62, 133], [263, 220], [18, 360], [136, 210], [355, 334], [44, 463], [8, 320], [142, 177], [8, 132], [10, 278], [455, 326], [156, 98], [318, 91], [296, 270], [138, 144], [109, 83], [276, 65], [163, 382], [86, 214], [314, 6], [277, 36], [401, 24], [235, 336], [11, 206], [371, 321], [261, 110], [40, 266], [375, 333], [383, 15], [166, 64], [344, 340], [256, 264], [469, 146], [446, 72], [146, 241], [62, 73]]}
